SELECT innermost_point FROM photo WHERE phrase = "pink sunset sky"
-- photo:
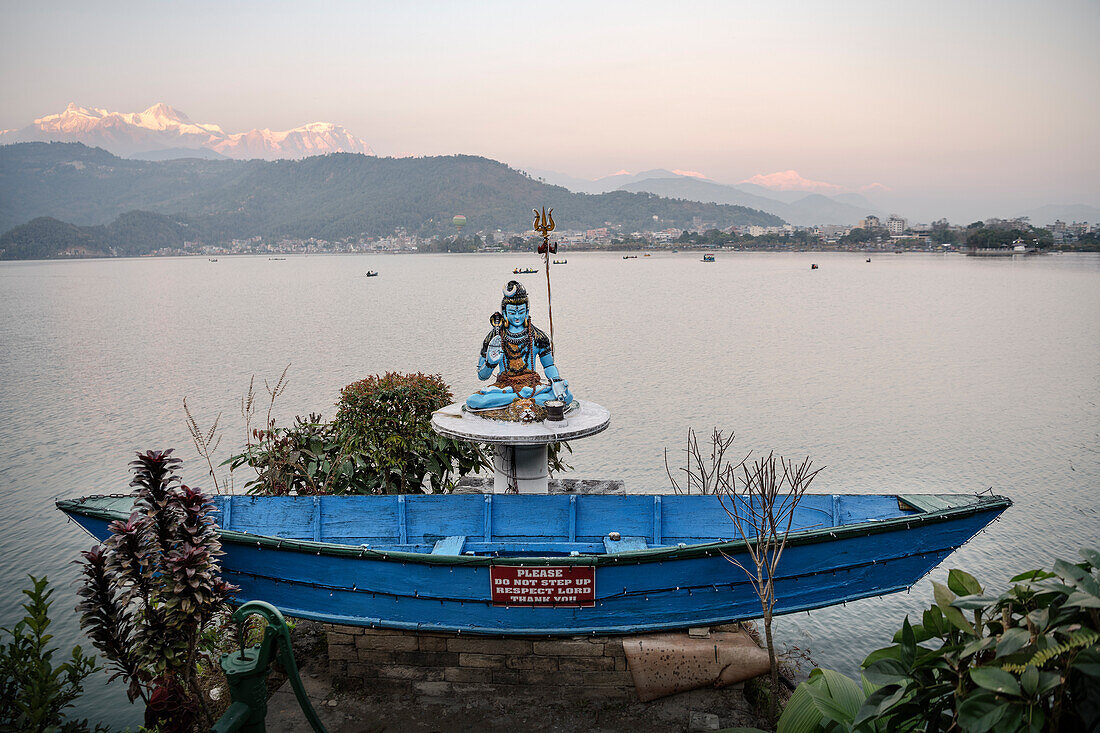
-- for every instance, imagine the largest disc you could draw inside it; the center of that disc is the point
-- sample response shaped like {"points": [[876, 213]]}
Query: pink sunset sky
{"points": [[984, 99]]}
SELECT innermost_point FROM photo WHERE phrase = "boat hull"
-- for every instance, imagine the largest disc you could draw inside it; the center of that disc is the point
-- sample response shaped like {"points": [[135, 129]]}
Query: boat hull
{"points": [[665, 588]]}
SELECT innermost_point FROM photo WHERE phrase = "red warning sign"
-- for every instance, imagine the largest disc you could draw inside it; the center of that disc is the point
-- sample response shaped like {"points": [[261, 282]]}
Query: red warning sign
{"points": [[569, 586]]}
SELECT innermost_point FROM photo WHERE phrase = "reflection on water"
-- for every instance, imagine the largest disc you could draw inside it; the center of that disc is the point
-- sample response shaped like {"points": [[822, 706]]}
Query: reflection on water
{"points": [[908, 374]]}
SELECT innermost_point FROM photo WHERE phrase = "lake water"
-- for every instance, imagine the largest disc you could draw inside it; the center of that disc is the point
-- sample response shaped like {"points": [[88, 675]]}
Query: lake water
{"points": [[911, 373]]}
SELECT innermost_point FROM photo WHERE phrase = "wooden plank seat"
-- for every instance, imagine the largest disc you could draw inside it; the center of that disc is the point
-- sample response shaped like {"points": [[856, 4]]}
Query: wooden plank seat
{"points": [[625, 544], [449, 545]]}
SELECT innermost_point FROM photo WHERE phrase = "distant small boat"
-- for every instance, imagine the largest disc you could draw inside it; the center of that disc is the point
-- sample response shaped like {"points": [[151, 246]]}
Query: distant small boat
{"points": [[523, 271], [814, 267], [372, 273], [647, 254], [212, 259], [868, 259], [561, 262], [630, 257], [708, 258], [276, 258]]}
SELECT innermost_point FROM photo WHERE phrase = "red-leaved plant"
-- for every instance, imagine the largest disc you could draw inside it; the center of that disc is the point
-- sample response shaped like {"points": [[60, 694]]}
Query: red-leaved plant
{"points": [[149, 589]]}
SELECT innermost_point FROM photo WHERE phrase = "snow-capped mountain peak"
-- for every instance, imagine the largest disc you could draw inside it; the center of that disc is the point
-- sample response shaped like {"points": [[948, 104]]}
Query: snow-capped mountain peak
{"points": [[317, 127], [162, 127], [160, 110]]}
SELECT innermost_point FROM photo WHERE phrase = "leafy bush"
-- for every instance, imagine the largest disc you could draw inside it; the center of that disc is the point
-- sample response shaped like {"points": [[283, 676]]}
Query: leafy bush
{"points": [[384, 422], [1026, 660], [33, 692], [381, 442], [151, 587]]}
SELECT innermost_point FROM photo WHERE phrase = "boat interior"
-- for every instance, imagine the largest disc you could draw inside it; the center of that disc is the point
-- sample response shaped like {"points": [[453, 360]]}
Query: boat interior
{"points": [[504, 525]]}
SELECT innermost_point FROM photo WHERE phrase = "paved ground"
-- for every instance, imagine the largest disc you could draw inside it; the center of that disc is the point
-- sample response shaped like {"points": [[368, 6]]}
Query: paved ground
{"points": [[366, 711]]}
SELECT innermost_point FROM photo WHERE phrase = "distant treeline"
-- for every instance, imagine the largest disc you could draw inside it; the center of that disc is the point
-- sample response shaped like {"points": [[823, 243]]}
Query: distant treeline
{"points": [[719, 238], [332, 197], [132, 234]]}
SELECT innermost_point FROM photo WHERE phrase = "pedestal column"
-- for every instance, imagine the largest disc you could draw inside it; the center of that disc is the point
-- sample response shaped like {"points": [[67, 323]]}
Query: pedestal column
{"points": [[521, 469]]}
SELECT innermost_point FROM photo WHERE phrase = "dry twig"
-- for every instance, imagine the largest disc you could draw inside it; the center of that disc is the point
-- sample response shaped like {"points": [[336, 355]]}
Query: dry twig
{"points": [[705, 475], [248, 409], [280, 387], [761, 503], [206, 442]]}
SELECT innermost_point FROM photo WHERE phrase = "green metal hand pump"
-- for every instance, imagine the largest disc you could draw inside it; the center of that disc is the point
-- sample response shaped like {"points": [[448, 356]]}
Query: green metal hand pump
{"points": [[246, 672]]}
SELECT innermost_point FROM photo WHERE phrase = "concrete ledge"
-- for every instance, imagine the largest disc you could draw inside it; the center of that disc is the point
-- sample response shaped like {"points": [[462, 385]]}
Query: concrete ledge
{"points": [[480, 485]]}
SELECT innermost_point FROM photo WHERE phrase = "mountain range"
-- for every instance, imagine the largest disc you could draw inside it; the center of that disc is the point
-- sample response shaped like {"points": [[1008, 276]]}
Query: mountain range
{"points": [[162, 132], [1065, 212], [46, 187], [808, 203], [796, 207]]}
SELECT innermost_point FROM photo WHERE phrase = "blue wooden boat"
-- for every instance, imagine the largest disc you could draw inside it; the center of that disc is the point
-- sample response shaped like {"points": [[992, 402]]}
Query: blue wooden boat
{"points": [[561, 565]]}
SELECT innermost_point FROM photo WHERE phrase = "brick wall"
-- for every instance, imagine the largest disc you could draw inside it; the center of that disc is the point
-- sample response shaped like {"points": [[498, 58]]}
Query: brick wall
{"points": [[433, 664]]}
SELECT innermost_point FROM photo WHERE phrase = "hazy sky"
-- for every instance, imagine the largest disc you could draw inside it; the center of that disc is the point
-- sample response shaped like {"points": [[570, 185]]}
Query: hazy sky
{"points": [[997, 100]]}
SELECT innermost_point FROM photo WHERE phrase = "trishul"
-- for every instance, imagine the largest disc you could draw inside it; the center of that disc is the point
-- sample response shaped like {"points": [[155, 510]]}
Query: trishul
{"points": [[544, 223]]}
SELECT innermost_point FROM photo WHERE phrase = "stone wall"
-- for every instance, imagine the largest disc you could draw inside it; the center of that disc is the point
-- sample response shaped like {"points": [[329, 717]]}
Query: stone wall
{"points": [[433, 664]]}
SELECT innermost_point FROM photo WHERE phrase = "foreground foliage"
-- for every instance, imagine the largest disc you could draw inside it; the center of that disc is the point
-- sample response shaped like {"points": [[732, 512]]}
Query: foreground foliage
{"points": [[33, 692], [1026, 660], [149, 590]]}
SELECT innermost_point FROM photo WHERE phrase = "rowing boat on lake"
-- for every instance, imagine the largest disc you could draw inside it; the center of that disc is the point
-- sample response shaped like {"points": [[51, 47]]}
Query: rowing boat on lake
{"points": [[561, 564]]}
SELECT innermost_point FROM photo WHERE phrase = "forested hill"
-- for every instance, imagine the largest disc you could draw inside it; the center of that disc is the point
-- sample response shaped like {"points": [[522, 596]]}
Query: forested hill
{"points": [[330, 197]]}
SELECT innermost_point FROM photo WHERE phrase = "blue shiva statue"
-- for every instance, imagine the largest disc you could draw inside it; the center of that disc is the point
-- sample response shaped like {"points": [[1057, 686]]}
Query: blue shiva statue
{"points": [[513, 345]]}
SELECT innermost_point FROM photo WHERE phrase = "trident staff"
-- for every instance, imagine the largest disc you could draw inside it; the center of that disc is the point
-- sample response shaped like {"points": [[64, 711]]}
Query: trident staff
{"points": [[544, 223]]}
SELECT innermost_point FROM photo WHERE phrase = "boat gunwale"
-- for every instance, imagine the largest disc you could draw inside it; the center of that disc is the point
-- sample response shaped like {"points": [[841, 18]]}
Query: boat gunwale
{"points": [[810, 536]]}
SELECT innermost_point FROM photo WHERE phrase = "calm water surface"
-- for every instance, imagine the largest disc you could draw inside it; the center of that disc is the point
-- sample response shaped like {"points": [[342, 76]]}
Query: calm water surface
{"points": [[910, 373]]}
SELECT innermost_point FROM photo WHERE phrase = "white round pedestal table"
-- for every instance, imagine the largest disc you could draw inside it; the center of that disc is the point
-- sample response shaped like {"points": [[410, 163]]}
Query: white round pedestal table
{"points": [[519, 455]]}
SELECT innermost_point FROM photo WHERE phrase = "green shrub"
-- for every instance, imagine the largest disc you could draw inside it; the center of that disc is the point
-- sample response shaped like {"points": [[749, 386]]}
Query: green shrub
{"points": [[33, 692], [384, 423], [1026, 660], [381, 442]]}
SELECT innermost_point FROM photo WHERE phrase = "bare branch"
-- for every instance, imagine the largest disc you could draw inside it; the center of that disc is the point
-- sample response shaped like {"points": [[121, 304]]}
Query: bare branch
{"points": [[279, 388], [671, 478], [206, 442], [248, 409], [705, 472], [760, 499]]}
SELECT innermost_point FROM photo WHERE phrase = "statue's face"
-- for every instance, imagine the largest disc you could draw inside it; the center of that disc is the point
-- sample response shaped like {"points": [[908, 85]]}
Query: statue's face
{"points": [[516, 315]]}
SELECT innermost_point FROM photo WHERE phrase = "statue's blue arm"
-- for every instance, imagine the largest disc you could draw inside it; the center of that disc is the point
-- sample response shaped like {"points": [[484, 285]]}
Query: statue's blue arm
{"points": [[546, 358], [559, 387], [548, 368], [546, 355]]}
